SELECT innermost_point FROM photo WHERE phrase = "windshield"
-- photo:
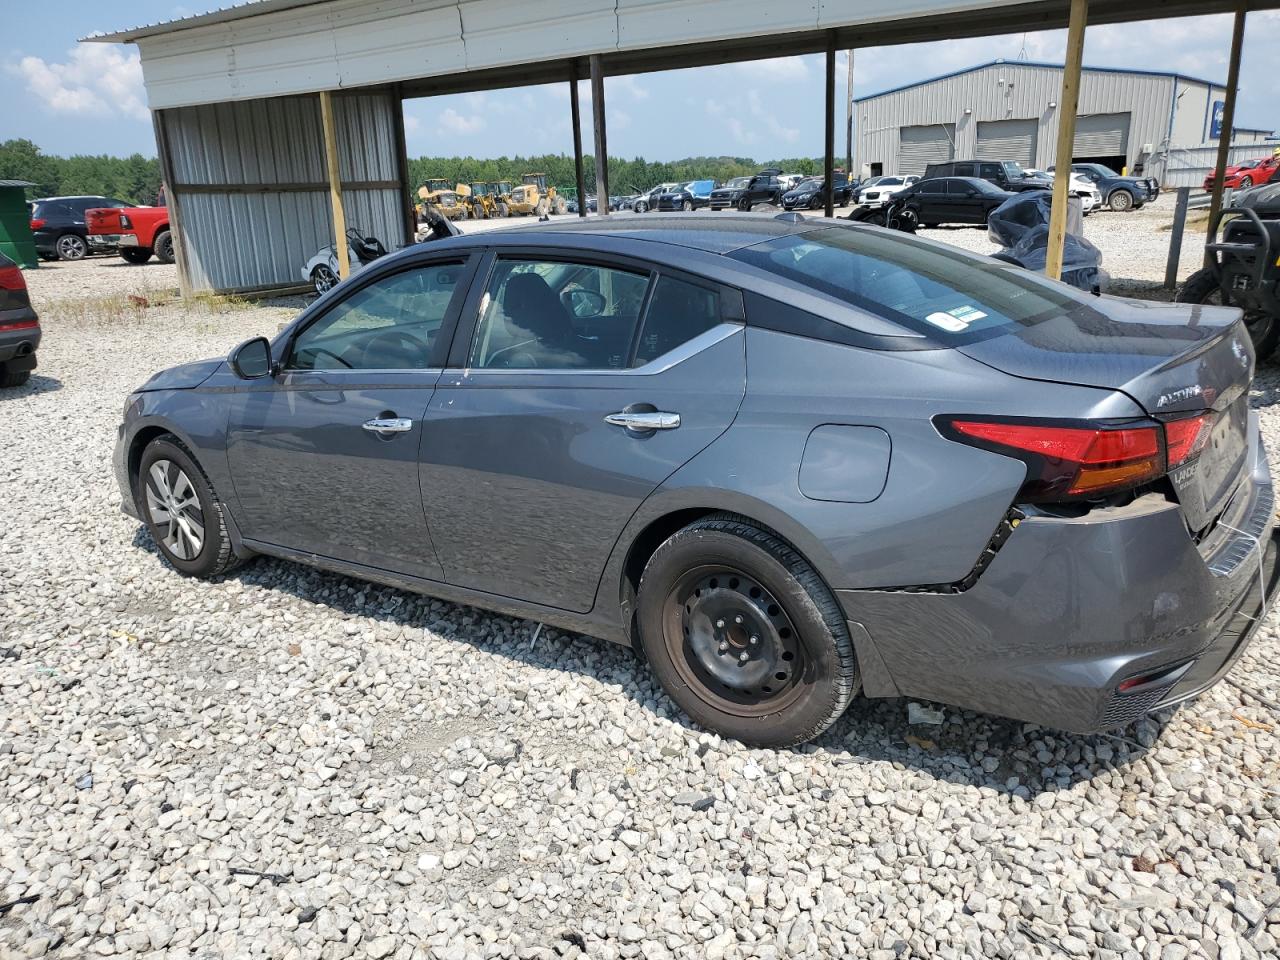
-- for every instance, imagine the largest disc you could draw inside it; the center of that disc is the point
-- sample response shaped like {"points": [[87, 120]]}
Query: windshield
{"points": [[1105, 171], [944, 294], [1013, 170], [808, 186], [889, 182], [1248, 164], [737, 183]]}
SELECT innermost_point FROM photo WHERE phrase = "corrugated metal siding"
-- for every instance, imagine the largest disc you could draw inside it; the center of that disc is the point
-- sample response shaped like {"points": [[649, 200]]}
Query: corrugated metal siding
{"points": [[1188, 166], [1102, 135], [1026, 92], [1007, 140], [237, 240], [921, 146]]}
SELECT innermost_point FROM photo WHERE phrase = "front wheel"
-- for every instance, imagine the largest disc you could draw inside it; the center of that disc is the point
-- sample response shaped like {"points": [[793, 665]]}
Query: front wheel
{"points": [[640, 207], [135, 254], [71, 246], [183, 513], [1246, 182], [1120, 200], [744, 205], [504, 210], [323, 279], [687, 206], [743, 634], [1204, 286]]}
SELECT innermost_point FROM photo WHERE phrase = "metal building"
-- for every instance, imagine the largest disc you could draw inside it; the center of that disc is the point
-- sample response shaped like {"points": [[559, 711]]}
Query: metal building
{"points": [[265, 109], [1008, 110]]}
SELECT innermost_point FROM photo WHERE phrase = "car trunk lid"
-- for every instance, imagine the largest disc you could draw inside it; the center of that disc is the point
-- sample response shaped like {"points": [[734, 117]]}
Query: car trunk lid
{"points": [[1173, 360]]}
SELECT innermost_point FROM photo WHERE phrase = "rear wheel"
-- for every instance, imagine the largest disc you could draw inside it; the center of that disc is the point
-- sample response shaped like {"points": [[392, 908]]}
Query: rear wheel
{"points": [[135, 254], [1120, 200], [561, 206], [323, 279], [687, 206], [183, 513], [1246, 182], [71, 246], [906, 220], [503, 210], [1203, 286], [10, 377], [163, 246], [743, 634]]}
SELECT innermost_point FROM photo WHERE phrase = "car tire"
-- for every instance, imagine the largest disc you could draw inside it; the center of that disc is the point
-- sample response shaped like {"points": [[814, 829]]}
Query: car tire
{"points": [[10, 377], [1120, 200], [1203, 286], [193, 538], [504, 210], [135, 254], [1246, 183], [687, 206], [71, 246], [640, 207], [163, 246], [744, 205], [705, 593], [323, 279], [815, 203]]}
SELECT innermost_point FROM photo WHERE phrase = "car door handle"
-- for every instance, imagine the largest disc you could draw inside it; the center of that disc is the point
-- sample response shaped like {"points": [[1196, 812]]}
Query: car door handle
{"points": [[644, 422], [388, 425]]}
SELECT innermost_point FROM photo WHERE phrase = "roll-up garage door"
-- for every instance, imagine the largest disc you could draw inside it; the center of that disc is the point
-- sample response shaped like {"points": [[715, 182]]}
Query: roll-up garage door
{"points": [[1008, 140], [920, 146], [1102, 135]]}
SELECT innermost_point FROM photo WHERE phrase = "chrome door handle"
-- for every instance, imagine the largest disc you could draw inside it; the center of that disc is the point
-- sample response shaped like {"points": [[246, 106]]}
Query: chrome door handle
{"points": [[389, 425], [644, 422]]}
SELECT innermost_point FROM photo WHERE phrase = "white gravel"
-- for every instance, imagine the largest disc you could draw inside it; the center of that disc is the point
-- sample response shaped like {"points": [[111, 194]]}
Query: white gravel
{"points": [[290, 764]]}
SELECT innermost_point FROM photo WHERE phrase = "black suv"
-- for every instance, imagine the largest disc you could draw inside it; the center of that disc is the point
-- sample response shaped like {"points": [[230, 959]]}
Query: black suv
{"points": [[19, 327], [811, 193], [744, 192], [1118, 193], [58, 225], [1005, 174]]}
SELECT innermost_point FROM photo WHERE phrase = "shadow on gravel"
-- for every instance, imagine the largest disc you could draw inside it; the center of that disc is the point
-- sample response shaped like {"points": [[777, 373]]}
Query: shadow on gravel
{"points": [[969, 749], [37, 384]]}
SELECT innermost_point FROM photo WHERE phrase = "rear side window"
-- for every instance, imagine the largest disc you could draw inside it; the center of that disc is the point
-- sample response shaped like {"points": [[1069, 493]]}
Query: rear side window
{"points": [[678, 311], [932, 187], [947, 296]]}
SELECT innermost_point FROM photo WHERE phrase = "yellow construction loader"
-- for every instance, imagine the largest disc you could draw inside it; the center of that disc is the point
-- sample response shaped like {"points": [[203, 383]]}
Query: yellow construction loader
{"points": [[436, 194], [534, 196], [482, 200]]}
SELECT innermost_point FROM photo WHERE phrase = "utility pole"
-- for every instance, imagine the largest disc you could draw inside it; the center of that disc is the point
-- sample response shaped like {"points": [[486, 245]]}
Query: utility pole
{"points": [[848, 123]]}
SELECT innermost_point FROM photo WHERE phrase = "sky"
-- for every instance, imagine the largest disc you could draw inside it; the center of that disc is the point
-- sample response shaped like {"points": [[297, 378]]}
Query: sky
{"points": [[70, 97]]}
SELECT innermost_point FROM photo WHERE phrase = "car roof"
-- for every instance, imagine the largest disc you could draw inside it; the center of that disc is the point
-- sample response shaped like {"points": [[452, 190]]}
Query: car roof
{"points": [[81, 196], [710, 233]]}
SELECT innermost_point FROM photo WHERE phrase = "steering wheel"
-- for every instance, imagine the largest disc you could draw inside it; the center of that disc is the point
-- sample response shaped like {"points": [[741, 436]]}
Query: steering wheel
{"points": [[401, 346]]}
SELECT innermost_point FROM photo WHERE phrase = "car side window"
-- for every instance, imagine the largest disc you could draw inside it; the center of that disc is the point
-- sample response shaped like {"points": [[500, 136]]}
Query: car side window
{"points": [[390, 324], [989, 170], [678, 311], [933, 187], [958, 188], [557, 315]]}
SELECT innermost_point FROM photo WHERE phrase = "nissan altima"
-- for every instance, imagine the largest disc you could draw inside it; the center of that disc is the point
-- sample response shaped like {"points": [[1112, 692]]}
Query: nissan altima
{"points": [[789, 461]]}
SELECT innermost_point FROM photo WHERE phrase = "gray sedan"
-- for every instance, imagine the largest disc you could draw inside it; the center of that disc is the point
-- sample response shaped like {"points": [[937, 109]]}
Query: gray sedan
{"points": [[787, 460]]}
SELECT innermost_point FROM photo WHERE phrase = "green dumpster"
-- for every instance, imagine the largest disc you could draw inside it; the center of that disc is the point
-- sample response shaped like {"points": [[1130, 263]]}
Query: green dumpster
{"points": [[16, 241]]}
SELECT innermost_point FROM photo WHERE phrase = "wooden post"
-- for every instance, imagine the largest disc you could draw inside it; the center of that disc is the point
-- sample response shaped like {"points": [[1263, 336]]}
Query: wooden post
{"points": [[1228, 122], [829, 149], [1175, 238], [1068, 105], [171, 202], [602, 141], [579, 176], [402, 170], [335, 185], [848, 118]]}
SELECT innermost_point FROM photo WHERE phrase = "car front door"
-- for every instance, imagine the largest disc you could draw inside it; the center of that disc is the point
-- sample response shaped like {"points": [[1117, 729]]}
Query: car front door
{"points": [[324, 455], [585, 384]]}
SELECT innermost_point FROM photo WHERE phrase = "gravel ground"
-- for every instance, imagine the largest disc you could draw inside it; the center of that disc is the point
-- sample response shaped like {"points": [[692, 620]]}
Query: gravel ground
{"points": [[287, 763]]}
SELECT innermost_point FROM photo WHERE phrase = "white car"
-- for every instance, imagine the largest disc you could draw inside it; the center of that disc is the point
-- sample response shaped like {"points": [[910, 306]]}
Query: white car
{"points": [[1081, 186], [876, 193]]}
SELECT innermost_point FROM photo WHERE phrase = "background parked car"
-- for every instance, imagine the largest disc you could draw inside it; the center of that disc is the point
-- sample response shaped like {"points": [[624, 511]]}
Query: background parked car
{"points": [[1005, 174], [743, 193], [811, 194], [1251, 173], [879, 192], [139, 231], [59, 227], [1081, 186], [1118, 193], [19, 326], [938, 200], [646, 201], [689, 196]]}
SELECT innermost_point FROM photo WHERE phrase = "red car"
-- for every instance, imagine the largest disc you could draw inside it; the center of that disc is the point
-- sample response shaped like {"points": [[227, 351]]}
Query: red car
{"points": [[142, 231], [1251, 173]]}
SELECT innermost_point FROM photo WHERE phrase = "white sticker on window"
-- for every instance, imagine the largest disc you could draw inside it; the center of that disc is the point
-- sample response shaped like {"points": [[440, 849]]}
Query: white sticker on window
{"points": [[957, 319]]}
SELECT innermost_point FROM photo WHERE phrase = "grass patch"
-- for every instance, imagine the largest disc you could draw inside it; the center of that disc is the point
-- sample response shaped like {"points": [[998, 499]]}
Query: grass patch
{"points": [[1197, 222], [133, 305]]}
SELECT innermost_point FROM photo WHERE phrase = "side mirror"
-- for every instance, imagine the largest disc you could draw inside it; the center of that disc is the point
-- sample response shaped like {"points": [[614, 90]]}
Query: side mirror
{"points": [[584, 303], [252, 359]]}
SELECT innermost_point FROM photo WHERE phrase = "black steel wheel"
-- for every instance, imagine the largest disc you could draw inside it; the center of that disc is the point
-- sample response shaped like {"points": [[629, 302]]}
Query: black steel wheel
{"points": [[1204, 286], [743, 634]]}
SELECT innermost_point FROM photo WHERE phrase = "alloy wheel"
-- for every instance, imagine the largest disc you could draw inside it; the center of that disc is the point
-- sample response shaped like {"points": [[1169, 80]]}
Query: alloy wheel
{"points": [[323, 278], [732, 642], [174, 507], [72, 247]]}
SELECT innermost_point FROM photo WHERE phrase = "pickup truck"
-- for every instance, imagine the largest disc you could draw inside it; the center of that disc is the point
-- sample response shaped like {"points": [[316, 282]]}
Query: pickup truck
{"points": [[142, 231]]}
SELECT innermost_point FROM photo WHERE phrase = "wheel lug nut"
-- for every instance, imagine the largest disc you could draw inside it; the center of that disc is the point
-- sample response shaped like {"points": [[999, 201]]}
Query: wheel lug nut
{"points": [[738, 618], [754, 641], [719, 624], [724, 645], [744, 657]]}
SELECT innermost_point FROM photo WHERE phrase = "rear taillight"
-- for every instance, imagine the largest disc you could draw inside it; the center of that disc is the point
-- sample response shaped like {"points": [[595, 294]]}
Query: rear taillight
{"points": [[19, 325], [1186, 438], [37, 223], [11, 279], [1069, 460], [126, 222]]}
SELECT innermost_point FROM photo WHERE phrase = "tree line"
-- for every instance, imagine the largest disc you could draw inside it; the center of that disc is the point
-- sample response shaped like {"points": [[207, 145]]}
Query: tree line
{"points": [[137, 178]]}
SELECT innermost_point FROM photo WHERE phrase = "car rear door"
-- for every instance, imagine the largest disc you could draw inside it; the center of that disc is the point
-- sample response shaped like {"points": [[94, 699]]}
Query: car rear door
{"points": [[580, 384], [324, 455]]}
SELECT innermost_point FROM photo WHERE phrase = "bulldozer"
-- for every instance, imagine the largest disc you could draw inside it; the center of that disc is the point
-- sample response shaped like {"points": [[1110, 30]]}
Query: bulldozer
{"points": [[482, 199], [534, 196], [436, 194]]}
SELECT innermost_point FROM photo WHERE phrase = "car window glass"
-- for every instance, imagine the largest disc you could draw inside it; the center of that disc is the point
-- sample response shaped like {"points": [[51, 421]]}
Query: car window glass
{"points": [[390, 324], [959, 188], [989, 170], [678, 312], [933, 187], [551, 315]]}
